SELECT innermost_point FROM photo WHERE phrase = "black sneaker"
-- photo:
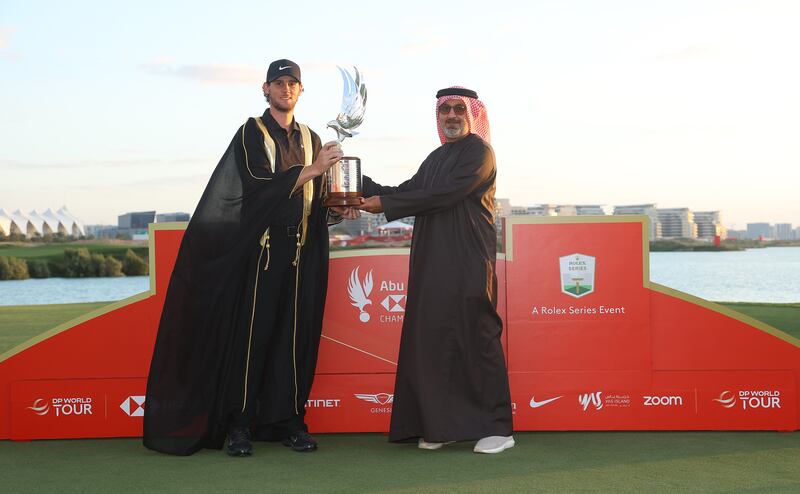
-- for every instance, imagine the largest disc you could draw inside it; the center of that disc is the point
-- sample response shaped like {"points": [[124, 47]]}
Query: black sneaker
{"points": [[300, 441], [239, 442]]}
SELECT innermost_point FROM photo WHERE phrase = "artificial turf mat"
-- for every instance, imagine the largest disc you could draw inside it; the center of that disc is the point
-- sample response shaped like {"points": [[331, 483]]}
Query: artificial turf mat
{"points": [[541, 462]]}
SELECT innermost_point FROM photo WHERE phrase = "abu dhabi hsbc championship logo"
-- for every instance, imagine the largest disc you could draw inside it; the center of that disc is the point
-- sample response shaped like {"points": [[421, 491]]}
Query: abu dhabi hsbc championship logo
{"points": [[577, 274], [359, 293], [133, 406], [392, 297]]}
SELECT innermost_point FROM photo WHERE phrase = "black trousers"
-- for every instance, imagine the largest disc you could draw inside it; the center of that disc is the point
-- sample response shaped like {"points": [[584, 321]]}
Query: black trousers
{"points": [[270, 380]]}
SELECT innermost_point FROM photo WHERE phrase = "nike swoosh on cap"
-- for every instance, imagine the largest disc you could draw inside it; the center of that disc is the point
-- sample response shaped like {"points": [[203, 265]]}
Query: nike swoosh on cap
{"points": [[284, 68], [537, 404]]}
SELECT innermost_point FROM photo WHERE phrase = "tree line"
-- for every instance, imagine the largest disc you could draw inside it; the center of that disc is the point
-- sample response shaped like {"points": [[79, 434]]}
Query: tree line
{"points": [[77, 263]]}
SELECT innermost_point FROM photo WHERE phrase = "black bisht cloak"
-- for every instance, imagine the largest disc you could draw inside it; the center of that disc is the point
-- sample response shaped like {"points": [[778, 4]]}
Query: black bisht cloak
{"points": [[452, 382], [202, 336]]}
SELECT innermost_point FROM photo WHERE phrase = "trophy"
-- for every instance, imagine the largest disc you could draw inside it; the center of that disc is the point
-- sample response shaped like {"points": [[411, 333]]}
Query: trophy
{"points": [[343, 182]]}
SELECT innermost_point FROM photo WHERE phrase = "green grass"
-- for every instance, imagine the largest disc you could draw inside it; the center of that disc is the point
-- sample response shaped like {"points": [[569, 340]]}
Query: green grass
{"points": [[19, 323], [640, 462], [785, 317], [54, 252]]}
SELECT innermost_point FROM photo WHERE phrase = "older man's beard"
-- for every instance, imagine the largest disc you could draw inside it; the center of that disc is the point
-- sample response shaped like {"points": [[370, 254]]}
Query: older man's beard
{"points": [[453, 129]]}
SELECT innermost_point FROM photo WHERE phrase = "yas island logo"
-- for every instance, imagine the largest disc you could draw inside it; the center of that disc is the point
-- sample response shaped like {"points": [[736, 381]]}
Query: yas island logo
{"points": [[591, 399], [577, 274], [359, 293]]}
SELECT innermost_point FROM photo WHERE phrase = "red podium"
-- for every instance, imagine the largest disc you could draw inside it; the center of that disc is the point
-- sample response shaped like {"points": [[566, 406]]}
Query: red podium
{"points": [[591, 344]]}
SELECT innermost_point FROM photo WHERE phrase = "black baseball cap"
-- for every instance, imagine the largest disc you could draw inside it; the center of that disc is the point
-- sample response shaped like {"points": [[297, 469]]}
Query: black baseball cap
{"points": [[283, 67]]}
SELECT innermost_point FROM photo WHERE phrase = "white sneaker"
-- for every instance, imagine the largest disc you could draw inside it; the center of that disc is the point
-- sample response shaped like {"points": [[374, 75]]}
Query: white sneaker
{"points": [[494, 444], [423, 444]]}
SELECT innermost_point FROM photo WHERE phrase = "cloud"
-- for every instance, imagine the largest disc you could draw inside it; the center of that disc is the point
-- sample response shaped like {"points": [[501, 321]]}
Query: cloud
{"points": [[205, 73]]}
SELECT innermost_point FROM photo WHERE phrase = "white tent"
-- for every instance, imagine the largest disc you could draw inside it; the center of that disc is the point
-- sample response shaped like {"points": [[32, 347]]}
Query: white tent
{"points": [[396, 225], [41, 224], [5, 222], [76, 226], [55, 222], [24, 223]]}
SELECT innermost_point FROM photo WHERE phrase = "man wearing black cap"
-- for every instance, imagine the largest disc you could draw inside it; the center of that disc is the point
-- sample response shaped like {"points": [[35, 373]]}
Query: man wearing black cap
{"points": [[452, 383], [237, 344]]}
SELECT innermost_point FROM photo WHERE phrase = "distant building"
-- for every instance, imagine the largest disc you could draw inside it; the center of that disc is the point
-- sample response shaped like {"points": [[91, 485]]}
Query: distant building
{"points": [[594, 209], [502, 208], [648, 210], [760, 231], [367, 224], [677, 223], [101, 231], [709, 224], [32, 224], [135, 224], [170, 217], [737, 234], [784, 231]]}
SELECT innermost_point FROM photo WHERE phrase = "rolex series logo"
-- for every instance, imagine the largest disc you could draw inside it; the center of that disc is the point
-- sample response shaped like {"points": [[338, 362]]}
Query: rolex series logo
{"points": [[577, 275]]}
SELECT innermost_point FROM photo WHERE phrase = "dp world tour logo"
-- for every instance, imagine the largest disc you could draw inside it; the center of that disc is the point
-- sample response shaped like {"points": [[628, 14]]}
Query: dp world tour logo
{"points": [[40, 407], [577, 275], [359, 293]]}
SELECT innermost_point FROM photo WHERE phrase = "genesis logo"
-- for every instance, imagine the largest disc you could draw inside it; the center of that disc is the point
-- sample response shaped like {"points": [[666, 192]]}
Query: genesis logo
{"points": [[359, 293], [379, 398], [537, 404], [133, 406]]}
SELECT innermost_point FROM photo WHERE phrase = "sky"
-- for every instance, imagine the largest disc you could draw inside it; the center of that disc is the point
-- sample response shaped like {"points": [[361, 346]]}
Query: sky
{"points": [[111, 107]]}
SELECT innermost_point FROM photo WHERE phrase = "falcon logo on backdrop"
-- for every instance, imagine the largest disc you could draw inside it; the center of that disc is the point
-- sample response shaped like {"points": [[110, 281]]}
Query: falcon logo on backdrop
{"points": [[577, 274], [133, 406], [359, 293]]}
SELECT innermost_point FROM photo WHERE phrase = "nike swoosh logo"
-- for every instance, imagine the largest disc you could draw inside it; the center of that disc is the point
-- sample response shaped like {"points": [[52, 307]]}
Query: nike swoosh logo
{"points": [[537, 404], [284, 68]]}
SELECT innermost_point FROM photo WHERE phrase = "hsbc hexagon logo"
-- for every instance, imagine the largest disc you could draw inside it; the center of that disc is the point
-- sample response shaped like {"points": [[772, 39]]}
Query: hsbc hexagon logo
{"points": [[133, 406]]}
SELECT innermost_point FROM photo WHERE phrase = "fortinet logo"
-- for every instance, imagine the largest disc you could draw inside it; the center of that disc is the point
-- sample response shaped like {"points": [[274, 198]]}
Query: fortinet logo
{"points": [[133, 406], [62, 406], [750, 399], [593, 399], [329, 403], [663, 401]]}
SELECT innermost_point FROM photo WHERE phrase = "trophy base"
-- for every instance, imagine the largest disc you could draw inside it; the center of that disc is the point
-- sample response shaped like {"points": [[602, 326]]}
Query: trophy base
{"points": [[342, 199]]}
